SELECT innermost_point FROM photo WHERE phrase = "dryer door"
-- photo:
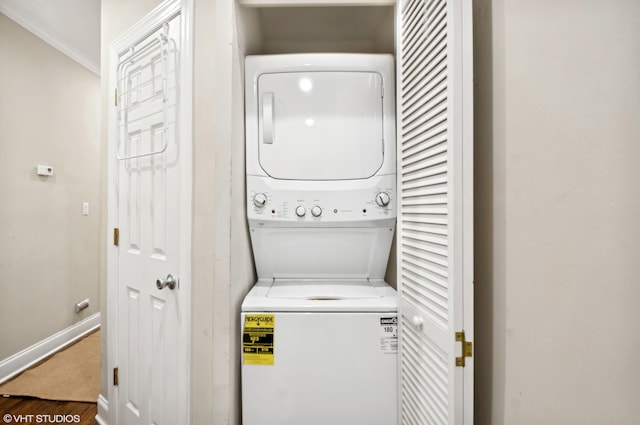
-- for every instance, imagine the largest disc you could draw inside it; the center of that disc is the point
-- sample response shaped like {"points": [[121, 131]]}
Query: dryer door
{"points": [[320, 125]]}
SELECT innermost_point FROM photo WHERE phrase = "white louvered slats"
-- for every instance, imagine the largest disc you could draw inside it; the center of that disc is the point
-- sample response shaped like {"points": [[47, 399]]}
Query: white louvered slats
{"points": [[435, 210], [429, 377]]}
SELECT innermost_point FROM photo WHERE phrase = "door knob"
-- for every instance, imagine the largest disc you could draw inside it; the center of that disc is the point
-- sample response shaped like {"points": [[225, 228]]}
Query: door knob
{"points": [[170, 281], [418, 322]]}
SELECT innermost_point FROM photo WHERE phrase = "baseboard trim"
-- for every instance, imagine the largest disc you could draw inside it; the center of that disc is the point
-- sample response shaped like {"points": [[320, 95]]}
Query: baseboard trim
{"points": [[103, 411], [19, 362]]}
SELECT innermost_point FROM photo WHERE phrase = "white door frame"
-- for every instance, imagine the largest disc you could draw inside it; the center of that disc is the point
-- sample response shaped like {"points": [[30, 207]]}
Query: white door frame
{"points": [[152, 21]]}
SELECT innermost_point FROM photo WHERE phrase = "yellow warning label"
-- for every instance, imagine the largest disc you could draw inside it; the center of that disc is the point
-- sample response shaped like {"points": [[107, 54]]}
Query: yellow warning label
{"points": [[257, 339]]}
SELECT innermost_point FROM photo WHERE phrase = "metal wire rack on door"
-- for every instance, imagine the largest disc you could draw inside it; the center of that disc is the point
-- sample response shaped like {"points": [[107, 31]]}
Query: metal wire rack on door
{"points": [[143, 94]]}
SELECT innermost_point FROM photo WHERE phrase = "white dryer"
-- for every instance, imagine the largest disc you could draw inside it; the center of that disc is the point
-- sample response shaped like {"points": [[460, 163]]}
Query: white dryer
{"points": [[319, 332]]}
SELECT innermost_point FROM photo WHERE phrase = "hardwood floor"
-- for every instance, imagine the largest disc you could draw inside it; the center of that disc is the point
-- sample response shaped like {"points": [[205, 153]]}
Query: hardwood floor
{"points": [[26, 410]]}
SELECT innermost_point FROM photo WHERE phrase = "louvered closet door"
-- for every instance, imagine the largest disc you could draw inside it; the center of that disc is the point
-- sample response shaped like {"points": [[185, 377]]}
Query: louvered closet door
{"points": [[435, 219]]}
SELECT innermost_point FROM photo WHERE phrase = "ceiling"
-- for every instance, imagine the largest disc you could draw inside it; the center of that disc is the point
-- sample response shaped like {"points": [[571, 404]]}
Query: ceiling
{"points": [[71, 26]]}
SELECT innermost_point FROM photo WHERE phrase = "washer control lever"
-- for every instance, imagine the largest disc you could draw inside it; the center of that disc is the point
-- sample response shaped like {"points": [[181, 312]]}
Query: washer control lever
{"points": [[383, 199], [260, 200]]}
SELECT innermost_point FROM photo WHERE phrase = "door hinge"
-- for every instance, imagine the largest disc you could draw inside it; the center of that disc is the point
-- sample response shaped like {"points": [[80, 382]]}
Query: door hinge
{"points": [[467, 349], [116, 236], [115, 376], [115, 97]]}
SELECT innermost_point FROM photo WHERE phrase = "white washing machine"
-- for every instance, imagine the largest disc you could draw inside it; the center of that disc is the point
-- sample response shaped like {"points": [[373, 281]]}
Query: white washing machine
{"points": [[319, 331]]}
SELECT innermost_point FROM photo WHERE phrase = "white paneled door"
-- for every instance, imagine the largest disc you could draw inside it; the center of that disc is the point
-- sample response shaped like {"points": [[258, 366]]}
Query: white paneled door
{"points": [[435, 215], [150, 270]]}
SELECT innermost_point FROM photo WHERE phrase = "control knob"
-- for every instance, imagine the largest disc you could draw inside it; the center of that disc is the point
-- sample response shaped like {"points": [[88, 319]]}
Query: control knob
{"points": [[316, 211], [300, 211], [383, 199], [260, 200]]}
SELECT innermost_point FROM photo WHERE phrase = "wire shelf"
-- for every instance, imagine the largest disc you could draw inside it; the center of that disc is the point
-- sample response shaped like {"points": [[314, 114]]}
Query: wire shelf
{"points": [[144, 96]]}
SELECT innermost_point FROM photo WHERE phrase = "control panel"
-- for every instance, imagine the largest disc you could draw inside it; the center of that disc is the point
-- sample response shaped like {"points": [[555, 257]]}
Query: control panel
{"points": [[306, 205]]}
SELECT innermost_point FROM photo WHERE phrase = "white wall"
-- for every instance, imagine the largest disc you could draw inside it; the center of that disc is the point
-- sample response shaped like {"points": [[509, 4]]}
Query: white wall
{"points": [[326, 29], [557, 97], [49, 251], [223, 265], [210, 384]]}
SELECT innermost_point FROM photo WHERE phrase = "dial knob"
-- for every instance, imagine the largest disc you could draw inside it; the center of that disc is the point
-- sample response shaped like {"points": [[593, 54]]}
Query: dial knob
{"points": [[300, 211], [383, 199], [260, 200], [316, 211]]}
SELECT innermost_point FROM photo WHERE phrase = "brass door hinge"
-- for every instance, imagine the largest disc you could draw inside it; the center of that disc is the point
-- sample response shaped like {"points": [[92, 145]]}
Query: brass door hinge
{"points": [[116, 236], [467, 349], [115, 376], [115, 97]]}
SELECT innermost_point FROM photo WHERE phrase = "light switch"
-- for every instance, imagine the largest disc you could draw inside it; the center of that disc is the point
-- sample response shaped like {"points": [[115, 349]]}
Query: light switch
{"points": [[85, 208]]}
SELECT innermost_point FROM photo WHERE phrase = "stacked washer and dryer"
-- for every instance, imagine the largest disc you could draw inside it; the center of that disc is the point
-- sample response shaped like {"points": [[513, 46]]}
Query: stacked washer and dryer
{"points": [[319, 332]]}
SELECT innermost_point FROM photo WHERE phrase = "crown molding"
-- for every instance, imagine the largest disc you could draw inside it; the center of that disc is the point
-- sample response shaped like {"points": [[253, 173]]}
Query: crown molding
{"points": [[31, 25]]}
